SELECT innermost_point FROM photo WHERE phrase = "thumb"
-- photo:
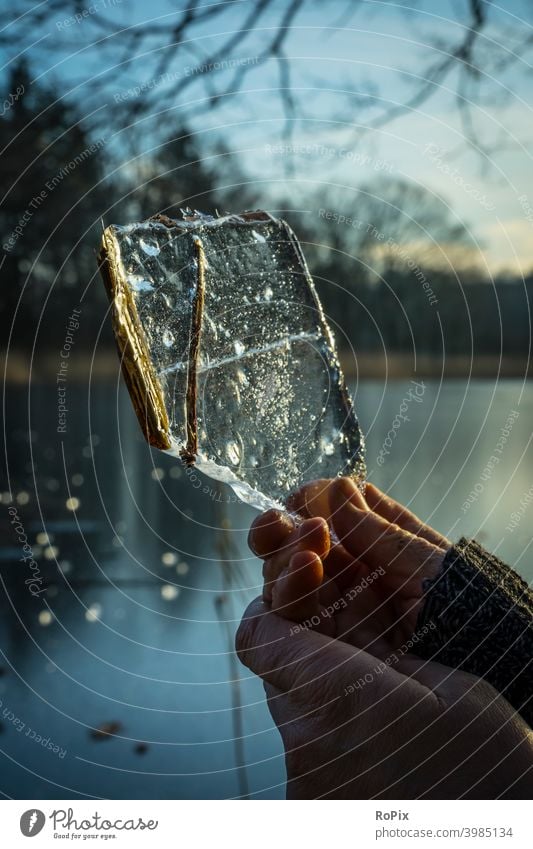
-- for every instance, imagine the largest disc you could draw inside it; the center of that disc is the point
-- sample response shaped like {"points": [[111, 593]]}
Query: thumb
{"points": [[314, 668]]}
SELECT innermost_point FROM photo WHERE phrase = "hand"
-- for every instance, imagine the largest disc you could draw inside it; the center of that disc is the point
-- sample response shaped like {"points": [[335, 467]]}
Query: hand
{"points": [[375, 544], [356, 728], [359, 718]]}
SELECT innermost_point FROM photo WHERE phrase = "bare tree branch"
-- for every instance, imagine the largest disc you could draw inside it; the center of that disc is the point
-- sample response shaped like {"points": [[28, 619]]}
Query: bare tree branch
{"points": [[160, 45]]}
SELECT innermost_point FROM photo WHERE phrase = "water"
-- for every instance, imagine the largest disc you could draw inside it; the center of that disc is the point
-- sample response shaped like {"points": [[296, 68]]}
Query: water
{"points": [[440, 460], [140, 613]]}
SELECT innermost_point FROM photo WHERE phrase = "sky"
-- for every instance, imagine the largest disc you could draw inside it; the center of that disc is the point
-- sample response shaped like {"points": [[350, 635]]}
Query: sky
{"points": [[347, 61]]}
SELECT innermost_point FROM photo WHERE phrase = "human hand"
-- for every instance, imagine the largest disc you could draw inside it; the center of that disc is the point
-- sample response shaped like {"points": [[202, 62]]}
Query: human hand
{"points": [[353, 727], [376, 545], [359, 717]]}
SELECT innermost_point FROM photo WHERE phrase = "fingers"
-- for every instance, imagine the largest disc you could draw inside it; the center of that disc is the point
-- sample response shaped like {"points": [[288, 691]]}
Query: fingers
{"points": [[377, 542], [313, 667], [312, 499], [342, 490], [295, 594], [269, 532], [300, 595], [394, 512], [312, 535]]}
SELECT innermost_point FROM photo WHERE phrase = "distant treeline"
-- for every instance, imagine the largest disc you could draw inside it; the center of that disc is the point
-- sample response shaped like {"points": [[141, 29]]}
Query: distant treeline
{"points": [[377, 268], [463, 318]]}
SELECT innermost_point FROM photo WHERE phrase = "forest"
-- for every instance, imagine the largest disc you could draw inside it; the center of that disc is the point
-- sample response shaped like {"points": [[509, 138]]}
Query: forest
{"points": [[390, 285]]}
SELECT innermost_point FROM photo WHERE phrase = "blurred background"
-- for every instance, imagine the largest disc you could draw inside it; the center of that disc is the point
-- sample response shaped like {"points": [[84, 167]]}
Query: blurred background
{"points": [[396, 140]]}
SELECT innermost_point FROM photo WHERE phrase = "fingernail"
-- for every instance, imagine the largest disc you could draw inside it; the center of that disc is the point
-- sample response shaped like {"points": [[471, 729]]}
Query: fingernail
{"points": [[269, 531], [351, 493]]}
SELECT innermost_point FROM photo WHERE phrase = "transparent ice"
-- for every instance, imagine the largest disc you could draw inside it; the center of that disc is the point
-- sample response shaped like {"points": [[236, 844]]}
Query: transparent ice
{"points": [[272, 409]]}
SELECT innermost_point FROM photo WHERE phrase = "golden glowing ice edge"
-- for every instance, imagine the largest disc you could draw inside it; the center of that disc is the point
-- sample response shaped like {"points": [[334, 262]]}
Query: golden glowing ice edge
{"points": [[271, 408]]}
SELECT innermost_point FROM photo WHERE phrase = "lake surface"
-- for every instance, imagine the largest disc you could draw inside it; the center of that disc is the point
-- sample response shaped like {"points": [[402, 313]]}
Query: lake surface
{"points": [[143, 594]]}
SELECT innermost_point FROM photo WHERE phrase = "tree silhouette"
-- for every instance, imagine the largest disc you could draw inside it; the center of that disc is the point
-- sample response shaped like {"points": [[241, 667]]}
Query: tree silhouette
{"points": [[171, 53], [51, 173]]}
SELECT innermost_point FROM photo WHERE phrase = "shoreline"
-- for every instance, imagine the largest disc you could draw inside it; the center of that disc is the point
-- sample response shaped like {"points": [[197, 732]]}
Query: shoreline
{"points": [[366, 366], [399, 366]]}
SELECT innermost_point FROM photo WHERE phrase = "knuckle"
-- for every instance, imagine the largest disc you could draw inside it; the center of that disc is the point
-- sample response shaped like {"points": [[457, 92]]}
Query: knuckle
{"points": [[398, 538]]}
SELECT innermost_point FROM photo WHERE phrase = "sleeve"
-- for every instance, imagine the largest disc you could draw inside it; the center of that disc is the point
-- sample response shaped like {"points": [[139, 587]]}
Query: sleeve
{"points": [[477, 615]]}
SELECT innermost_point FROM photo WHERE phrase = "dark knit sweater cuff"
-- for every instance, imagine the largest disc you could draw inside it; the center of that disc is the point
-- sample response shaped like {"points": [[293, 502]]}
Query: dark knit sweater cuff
{"points": [[477, 616]]}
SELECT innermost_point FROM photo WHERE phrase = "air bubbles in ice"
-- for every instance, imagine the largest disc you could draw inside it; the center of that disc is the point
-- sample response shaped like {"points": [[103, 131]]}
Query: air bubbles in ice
{"points": [[328, 447], [169, 301], [270, 403], [168, 338], [233, 452], [139, 283], [149, 247], [241, 377]]}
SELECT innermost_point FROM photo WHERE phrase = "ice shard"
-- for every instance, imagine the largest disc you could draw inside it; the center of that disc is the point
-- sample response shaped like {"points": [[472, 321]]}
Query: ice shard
{"points": [[227, 354]]}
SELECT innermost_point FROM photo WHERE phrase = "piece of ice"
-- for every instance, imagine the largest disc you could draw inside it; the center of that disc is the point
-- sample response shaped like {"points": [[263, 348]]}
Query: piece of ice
{"points": [[149, 247], [168, 338], [139, 284], [227, 354]]}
